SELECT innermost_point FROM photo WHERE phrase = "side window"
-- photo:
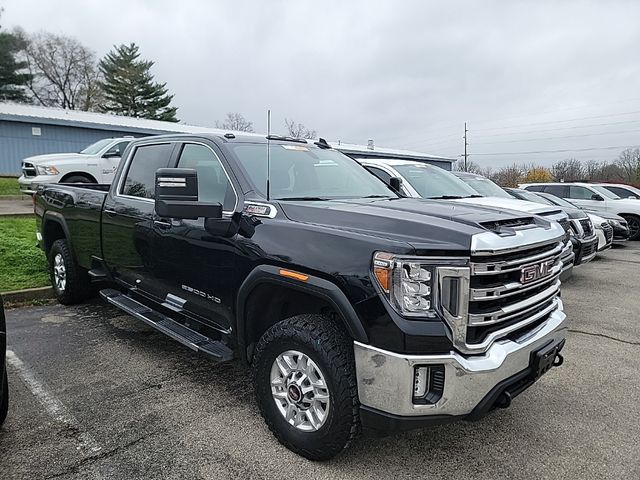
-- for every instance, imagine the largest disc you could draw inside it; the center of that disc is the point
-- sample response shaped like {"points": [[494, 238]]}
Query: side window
{"points": [[534, 188], [213, 183], [622, 192], [557, 190], [141, 175], [117, 149], [579, 193], [381, 174]]}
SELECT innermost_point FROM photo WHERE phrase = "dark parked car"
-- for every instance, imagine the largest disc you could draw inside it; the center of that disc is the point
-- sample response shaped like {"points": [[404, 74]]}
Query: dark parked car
{"points": [[619, 225], [583, 236], [4, 384]]}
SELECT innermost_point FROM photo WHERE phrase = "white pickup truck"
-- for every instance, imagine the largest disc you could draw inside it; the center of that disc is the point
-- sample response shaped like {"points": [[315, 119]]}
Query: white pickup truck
{"points": [[95, 164]]}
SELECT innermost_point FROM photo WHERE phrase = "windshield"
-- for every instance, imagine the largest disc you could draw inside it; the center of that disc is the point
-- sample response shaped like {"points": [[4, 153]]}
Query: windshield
{"points": [[485, 187], [533, 197], [433, 182], [96, 147], [604, 192], [302, 172], [561, 202]]}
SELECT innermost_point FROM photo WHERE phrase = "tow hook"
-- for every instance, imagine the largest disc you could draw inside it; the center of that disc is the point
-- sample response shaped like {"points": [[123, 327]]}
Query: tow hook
{"points": [[559, 360], [504, 400]]}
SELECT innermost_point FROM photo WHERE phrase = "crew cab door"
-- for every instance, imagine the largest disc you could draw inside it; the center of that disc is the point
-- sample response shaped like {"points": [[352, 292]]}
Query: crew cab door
{"points": [[128, 214], [586, 198], [195, 268]]}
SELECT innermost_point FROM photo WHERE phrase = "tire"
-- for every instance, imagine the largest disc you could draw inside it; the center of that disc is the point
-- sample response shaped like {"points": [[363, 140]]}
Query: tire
{"points": [[330, 350], [634, 226], [77, 179], [70, 282], [4, 401]]}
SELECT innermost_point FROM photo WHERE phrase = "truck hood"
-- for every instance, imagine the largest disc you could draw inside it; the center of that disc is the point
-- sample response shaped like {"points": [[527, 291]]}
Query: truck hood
{"points": [[511, 204], [58, 158], [424, 224]]}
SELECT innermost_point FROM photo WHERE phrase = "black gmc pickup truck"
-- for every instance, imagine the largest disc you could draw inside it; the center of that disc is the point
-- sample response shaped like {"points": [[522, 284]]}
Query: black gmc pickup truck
{"points": [[355, 308]]}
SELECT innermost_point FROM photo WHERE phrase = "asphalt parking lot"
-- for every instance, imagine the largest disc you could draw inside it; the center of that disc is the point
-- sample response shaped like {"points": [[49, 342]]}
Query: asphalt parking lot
{"points": [[115, 399]]}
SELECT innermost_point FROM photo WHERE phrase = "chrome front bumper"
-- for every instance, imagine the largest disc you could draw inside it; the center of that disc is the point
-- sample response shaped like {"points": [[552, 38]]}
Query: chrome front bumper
{"points": [[386, 379]]}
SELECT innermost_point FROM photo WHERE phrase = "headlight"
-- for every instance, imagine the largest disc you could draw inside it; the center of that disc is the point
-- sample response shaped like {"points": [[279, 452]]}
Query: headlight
{"points": [[614, 223], [417, 286], [47, 170]]}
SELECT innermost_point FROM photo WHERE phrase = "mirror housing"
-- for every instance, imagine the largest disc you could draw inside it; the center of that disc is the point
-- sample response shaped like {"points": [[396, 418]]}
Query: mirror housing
{"points": [[597, 197], [176, 195], [396, 183]]}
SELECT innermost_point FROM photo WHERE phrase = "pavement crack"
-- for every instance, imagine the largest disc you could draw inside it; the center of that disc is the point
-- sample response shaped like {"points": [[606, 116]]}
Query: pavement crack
{"points": [[75, 468], [602, 335]]}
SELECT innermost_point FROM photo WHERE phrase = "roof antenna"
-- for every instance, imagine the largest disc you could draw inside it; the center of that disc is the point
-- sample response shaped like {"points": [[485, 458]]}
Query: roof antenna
{"points": [[268, 152]]}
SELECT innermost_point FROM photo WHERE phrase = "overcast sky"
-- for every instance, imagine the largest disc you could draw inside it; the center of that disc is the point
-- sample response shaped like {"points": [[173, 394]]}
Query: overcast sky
{"points": [[526, 76]]}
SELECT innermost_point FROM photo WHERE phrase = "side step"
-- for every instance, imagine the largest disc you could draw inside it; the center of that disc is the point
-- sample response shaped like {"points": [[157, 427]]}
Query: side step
{"points": [[190, 338], [97, 274]]}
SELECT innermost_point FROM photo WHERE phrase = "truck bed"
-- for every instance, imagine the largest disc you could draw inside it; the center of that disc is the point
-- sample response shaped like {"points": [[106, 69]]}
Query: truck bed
{"points": [[80, 205]]}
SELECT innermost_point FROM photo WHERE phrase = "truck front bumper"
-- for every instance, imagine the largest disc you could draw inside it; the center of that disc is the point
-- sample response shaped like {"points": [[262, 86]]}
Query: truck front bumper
{"points": [[473, 385]]}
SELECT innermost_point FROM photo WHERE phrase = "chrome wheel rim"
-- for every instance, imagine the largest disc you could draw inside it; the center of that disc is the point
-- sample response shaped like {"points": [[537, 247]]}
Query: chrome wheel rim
{"points": [[300, 391], [59, 273]]}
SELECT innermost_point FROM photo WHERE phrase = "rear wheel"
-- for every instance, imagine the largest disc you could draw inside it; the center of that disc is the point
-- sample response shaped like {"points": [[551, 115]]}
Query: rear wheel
{"points": [[78, 179], [70, 282], [306, 386], [4, 401], [634, 226]]}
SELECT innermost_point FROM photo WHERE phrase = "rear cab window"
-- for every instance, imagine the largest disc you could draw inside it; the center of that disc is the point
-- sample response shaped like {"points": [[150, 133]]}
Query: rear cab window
{"points": [[140, 179]]}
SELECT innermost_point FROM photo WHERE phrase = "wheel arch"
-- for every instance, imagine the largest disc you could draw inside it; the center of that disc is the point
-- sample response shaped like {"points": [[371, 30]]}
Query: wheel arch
{"points": [[79, 174], [54, 227], [266, 297]]}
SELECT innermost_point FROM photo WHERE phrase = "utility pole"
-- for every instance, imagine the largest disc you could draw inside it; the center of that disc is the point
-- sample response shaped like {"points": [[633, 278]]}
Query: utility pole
{"points": [[465, 147]]}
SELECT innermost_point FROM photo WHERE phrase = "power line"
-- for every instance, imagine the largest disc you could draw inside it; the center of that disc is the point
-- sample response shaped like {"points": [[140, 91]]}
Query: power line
{"points": [[561, 121], [558, 151], [559, 138]]}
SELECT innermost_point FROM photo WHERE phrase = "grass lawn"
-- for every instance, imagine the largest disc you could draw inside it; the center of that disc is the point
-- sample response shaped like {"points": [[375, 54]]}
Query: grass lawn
{"points": [[9, 186], [22, 263]]}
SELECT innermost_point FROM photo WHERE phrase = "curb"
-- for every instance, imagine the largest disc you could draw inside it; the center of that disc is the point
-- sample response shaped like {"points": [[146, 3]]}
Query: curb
{"points": [[14, 197], [42, 293]]}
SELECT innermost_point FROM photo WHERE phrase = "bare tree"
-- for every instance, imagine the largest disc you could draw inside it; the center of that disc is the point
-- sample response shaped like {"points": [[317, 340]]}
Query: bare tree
{"points": [[472, 167], [568, 171], [63, 71], [629, 164], [509, 176], [298, 130], [235, 121]]}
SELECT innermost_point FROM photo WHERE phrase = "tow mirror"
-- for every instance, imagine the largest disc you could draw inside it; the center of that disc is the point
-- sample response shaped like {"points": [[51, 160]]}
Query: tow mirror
{"points": [[176, 195], [597, 197], [395, 183]]}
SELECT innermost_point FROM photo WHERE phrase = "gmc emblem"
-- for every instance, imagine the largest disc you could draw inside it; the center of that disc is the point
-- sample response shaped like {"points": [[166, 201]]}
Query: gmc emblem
{"points": [[534, 272]]}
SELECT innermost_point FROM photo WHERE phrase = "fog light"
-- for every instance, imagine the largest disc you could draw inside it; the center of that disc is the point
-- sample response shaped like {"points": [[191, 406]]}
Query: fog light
{"points": [[428, 384]]}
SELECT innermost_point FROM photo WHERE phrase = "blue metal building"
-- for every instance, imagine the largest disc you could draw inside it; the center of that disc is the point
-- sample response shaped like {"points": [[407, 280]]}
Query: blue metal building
{"points": [[27, 130]]}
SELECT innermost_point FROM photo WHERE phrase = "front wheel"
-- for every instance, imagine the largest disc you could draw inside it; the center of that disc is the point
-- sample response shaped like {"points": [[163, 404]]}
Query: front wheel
{"points": [[634, 226], [306, 386]]}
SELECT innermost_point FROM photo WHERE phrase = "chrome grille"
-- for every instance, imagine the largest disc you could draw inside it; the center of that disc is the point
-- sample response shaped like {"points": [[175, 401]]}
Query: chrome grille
{"points": [[502, 300], [29, 169]]}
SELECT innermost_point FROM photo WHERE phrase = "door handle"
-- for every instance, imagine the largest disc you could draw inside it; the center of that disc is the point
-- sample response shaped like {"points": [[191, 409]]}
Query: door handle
{"points": [[162, 223]]}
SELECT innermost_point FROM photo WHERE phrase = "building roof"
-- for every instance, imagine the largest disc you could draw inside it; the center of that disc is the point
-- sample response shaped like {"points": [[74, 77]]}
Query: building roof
{"points": [[365, 151], [19, 112], [101, 121]]}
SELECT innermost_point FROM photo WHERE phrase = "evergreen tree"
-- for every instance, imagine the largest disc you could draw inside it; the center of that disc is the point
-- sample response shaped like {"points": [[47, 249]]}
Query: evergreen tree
{"points": [[129, 89], [13, 79]]}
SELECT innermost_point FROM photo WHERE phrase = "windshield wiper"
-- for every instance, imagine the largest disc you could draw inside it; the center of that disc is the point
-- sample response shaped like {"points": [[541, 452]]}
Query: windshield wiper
{"points": [[454, 197], [304, 199], [378, 196]]}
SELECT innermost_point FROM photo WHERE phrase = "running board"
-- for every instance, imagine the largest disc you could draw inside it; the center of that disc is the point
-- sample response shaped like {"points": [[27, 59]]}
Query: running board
{"points": [[190, 338]]}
